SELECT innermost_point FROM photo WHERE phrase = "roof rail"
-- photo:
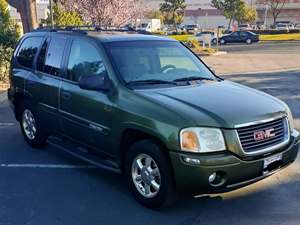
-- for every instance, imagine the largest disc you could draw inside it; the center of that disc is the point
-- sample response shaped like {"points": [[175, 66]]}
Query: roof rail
{"points": [[87, 28]]}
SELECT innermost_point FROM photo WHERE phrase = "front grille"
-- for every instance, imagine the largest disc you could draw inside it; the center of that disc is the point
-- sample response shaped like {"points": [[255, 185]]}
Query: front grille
{"points": [[251, 144]]}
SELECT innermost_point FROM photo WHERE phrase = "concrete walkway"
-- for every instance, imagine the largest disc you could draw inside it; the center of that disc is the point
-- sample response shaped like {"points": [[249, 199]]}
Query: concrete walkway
{"points": [[253, 63]]}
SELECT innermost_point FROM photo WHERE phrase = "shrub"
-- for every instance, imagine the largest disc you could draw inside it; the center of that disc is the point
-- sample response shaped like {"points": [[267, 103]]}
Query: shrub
{"points": [[5, 56]]}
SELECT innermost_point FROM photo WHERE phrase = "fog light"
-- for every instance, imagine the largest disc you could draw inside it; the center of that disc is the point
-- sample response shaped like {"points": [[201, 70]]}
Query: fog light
{"points": [[217, 179], [212, 177], [191, 160]]}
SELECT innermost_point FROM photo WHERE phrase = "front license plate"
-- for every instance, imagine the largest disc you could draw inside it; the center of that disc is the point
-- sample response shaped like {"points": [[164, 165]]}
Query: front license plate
{"points": [[271, 160]]}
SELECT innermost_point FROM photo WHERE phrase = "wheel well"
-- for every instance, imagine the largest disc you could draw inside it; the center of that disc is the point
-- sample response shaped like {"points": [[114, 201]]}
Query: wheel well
{"points": [[130, 136], [18, 99]]}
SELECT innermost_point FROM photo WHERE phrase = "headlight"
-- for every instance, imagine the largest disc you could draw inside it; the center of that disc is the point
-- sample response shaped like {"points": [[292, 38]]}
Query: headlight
{"points": [[198, 139], [290, 118]]}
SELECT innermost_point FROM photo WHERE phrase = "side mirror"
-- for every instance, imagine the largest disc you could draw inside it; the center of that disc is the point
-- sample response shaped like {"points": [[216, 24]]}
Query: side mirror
{"points": [[94, 82]]}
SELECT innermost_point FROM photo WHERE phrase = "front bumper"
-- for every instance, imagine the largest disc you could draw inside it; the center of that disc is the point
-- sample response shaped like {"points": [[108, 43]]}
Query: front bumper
{"points": [[235, 172]]}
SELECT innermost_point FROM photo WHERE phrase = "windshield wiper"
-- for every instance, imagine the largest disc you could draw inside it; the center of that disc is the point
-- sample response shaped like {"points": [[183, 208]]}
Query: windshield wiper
{"points": [[150, 81], [192, 78]]}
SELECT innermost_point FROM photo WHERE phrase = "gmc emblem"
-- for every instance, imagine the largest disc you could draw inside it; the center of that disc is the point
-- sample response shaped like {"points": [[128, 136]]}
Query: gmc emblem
{"points": [[263, 134]]}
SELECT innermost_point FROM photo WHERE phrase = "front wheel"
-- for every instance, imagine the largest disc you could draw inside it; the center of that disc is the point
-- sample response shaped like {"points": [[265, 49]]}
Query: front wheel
{"points": [[149, 175], [31, 127], [222, 42], [248, 41]]}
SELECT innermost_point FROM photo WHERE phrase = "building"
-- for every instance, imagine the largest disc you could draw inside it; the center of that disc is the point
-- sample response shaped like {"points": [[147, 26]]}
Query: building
{"points": [[290, 12], [201, 12]]}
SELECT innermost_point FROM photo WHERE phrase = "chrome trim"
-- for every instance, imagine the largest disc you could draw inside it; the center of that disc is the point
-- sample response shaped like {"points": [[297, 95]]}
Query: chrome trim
{"points": [[258, 122], [268, 149]]}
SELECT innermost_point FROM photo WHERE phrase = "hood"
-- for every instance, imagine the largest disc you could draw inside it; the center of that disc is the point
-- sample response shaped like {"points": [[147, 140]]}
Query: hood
{"points": [[217, 104]]}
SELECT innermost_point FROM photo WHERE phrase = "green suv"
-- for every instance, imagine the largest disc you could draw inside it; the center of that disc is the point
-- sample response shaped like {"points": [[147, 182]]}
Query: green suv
{"points": [[149, 108]]}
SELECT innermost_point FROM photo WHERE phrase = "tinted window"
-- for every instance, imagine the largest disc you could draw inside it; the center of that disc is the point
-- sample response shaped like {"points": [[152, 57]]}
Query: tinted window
{"points": [[84, 60], [51, 56], [235, 34], [40, 64], [28, 50], [243, 34]]}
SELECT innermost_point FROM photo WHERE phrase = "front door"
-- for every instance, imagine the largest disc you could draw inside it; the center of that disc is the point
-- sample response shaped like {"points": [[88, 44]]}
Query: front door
{"points": [[86, 115]]}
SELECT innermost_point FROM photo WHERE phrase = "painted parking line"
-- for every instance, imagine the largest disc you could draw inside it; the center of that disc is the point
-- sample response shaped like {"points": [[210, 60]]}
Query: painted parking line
{"points": [[6, 124], [48, 166]]}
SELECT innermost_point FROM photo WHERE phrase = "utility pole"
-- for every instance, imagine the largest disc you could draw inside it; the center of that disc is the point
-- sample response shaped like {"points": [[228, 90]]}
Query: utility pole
{"points": [[51, 12], [266, 15]]}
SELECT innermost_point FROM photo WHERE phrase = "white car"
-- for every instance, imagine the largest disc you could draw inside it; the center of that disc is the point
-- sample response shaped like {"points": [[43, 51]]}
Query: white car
{"points": [[201, 36], [282, 26], [245, 27]]}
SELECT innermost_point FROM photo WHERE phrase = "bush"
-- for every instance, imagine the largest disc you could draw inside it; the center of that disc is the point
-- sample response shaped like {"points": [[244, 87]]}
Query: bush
{"points": [[275, 31], [5, 57]]}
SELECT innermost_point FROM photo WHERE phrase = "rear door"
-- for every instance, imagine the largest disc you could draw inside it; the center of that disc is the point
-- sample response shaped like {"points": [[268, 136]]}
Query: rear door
{"points": [[234, 37], [86, 114], [244, 36], [44, 83]]}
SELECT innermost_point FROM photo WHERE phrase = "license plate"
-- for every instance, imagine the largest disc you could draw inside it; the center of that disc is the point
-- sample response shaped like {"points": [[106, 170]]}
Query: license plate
{"points": [[272, 159]]}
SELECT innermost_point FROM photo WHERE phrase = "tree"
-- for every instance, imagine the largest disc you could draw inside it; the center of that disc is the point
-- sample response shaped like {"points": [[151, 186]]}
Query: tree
{"points": [[229, 8], [106, 13], [8, 38], [276, 7], [62, 17], [27, 10], [246, 15], [173, 11]]}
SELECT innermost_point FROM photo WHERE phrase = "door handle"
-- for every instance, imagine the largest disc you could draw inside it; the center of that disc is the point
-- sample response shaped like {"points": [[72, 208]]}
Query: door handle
{"points": [[66, 95]]}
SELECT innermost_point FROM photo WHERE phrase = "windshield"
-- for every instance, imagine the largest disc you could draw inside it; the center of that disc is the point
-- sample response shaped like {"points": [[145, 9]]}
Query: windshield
{"points": [[156, 60]]}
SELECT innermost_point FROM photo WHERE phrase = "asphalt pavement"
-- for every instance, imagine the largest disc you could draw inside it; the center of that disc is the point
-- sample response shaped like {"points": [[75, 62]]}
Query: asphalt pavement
{"points": [[284, 47], [49, 187]]}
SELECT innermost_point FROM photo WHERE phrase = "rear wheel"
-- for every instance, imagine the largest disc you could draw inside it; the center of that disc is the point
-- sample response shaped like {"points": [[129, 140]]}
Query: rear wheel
{"points": [[248, 41], [149, 175], [31, 127]]}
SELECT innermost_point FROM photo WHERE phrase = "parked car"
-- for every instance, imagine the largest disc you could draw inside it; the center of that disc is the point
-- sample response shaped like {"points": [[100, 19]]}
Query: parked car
{"points": [[239, 37], [243, 27], [147, 107], [297, 26], [191, 28], [282, 26], [201, 36]]}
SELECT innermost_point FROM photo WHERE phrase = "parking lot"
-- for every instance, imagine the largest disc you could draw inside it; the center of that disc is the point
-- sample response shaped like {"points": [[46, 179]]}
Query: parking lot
{"points": [[48, 187]]}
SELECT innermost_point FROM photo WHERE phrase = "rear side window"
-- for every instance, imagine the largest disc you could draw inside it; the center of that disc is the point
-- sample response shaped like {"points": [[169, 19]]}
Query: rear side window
{"points": [[84, 60], [28, 50], [51, 55]]}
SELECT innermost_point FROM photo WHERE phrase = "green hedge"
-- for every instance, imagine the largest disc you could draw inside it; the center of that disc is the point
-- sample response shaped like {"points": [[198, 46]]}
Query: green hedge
{"points": [[293, 31]]}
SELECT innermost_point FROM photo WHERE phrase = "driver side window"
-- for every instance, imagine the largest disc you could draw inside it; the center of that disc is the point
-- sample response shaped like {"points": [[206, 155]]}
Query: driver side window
{"points": [[84, 60]]}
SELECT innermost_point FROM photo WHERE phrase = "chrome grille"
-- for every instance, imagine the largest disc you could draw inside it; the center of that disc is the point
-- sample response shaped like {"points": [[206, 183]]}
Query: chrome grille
{"points": [[250, 144]]}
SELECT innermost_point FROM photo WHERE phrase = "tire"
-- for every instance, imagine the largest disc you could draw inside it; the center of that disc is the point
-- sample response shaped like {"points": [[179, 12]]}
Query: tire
{"points": [[248, 41], [214, 41], [222, 42], [37, 139], [159, 197]]}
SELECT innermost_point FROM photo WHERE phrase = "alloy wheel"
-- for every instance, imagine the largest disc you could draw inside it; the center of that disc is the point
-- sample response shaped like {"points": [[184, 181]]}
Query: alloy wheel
{"points": [[146, 175], [29, 124]]}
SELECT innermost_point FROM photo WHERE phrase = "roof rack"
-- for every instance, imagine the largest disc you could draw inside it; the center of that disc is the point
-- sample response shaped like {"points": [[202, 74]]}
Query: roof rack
{"points": [[88, 28]]}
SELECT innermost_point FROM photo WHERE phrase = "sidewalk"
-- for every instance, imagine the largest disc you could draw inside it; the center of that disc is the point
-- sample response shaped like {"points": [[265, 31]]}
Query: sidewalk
{"points": [[3, 96], [252, 63]]}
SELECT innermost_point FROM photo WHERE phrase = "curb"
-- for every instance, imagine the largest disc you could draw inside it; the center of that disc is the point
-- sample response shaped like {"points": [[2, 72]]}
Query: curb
{"points": [[3, 96], [261, 72], [219, 53]]}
